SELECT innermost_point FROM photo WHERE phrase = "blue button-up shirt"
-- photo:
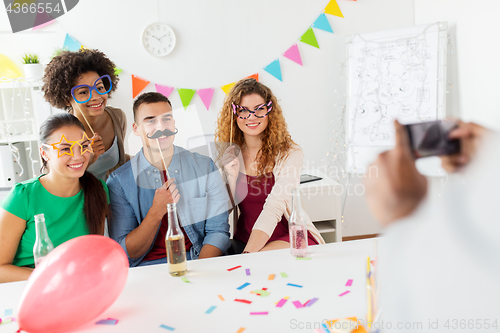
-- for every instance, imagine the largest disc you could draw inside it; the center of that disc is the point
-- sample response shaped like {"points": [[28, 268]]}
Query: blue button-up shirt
{"points": [[202, 207]]}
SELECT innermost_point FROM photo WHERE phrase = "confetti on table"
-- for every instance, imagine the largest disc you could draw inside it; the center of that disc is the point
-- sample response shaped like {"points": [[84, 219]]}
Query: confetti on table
{"points": [[283, 275], [212, 308], [349, 283], [325, 328], [259, 313], [297, 304], [293, 285], [261, 292], [241, 330], [221, 298], [167, 327], [108, 321], [231, 269], [7, 312], [311, 301], [242, 301], [344, 293], [305, 258], [7, 320], [271, 277], [247, 271], [244, 285], [281, 303], [185, 279]]}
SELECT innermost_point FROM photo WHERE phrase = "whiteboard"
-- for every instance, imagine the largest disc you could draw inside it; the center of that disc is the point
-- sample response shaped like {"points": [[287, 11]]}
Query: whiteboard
{"points": [[397, 74]]}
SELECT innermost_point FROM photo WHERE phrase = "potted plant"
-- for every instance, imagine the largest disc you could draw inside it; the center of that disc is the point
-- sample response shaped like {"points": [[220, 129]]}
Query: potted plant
{"points": [[33, 69]]}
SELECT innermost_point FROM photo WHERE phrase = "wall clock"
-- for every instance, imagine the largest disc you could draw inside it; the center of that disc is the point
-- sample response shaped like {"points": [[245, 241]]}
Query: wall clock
{"points": [[158, 39]]}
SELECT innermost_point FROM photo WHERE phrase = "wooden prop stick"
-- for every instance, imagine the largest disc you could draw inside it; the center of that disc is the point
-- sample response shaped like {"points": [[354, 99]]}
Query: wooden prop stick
{"points": [[93, 133], [162, 158]]}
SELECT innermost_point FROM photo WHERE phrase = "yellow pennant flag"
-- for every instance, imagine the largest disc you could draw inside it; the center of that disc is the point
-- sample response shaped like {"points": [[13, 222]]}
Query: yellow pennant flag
{"points": [[226, 88], [333, 9]]}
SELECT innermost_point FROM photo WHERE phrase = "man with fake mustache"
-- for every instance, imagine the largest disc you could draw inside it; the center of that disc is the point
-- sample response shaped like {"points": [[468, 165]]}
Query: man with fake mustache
{"points": [[141, 189]]}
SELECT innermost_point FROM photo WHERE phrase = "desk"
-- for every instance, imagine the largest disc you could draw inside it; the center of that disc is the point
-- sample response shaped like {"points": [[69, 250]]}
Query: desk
{"points": [[152, 297], [321, 200]]}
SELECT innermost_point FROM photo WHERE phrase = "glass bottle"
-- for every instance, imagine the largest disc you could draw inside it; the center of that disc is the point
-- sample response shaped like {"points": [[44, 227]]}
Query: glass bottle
{"points": [[297, 226], [175, 244], [43, 244]]}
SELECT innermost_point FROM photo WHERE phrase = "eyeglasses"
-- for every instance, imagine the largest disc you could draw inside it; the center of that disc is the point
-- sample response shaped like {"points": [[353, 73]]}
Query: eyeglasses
{"points": [[65, 146], [83, 93], [260, 111]]}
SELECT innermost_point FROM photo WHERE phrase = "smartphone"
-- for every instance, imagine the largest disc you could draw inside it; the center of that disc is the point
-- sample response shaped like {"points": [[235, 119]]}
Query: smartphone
{"points": [[431, 138], [305, 178]]}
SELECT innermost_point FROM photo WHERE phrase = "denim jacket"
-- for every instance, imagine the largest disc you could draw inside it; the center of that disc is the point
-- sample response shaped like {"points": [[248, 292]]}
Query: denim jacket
{"points": [[202, 207]]}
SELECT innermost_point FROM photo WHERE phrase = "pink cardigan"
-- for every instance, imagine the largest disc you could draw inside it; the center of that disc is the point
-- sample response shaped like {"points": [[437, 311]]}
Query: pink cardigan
{"points": [[279, 201]]}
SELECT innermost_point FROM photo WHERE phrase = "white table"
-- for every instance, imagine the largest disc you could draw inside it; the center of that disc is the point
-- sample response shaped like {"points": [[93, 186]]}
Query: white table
{"points": [[152, 297]]}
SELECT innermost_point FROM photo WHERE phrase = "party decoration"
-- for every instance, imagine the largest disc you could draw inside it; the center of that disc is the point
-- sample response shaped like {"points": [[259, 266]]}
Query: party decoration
{"points": [[42, 20], [243, 286], [167, 327], [253, 76], [274, 69], [71, 44], [309, 38], [210, 309], [294, 285], [231, 269], [118, 71], [164, 90], [206, 96], [226, 88], [293, 54], [138, 84], [333, 9], [8, 68], [186, 95], [73, 285], [64, 142], [84, 139], [322, 23], [247, 271]]}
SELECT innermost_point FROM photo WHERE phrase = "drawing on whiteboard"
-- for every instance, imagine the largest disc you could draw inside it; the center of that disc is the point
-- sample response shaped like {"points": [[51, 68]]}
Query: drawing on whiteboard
{"points": [[391, 78]]}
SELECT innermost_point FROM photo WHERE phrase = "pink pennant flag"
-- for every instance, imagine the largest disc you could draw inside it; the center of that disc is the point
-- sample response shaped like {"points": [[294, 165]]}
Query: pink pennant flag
{"points": [[42, 20], [206, 97], [293, 54], [164, 90]]}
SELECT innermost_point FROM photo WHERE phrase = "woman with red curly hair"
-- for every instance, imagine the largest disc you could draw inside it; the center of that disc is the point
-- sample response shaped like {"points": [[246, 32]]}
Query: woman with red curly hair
{"points": [[261, 179], [81, 82]]}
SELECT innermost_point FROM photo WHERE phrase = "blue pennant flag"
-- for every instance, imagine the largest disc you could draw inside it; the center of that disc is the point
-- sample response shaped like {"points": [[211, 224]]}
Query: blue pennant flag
{"points": [[322, 23], [71, 44], [274, 69]]}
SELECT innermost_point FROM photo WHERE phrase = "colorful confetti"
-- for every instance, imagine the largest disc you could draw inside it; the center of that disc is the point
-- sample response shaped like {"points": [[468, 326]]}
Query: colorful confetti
{"points": [[281, 303], [244, 285], [271, 277], [293, 285], [297, 304], [108, 321], [240, 330], [212, 308], [185, 279], [242, 301], [305, 258], [283, 275], [232, 269], [221, 298], [349, 283], [247, 271], [344, 293], [7, 312], [167, 327], [259, 313], [311, 301]]}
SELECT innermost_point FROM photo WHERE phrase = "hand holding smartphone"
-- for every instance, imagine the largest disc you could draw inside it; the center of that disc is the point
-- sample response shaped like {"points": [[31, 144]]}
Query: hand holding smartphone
{"points": [[432, 138]]}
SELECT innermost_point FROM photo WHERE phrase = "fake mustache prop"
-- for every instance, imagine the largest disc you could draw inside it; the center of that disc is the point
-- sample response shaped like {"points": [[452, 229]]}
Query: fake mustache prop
{"points": [[159, 134]]}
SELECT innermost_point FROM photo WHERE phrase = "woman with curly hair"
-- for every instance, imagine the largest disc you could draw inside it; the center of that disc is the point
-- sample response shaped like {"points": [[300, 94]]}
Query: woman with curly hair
{"points": [[261, 181], [81, 82]]}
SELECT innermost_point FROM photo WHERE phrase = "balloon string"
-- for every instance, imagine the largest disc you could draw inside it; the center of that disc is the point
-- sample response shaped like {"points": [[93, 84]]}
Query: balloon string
{"points": [[162, 158], [85, 119]]}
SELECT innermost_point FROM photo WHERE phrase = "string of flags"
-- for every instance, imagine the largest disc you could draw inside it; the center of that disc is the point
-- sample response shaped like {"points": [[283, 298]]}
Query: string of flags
{"points": [[274, 68]]}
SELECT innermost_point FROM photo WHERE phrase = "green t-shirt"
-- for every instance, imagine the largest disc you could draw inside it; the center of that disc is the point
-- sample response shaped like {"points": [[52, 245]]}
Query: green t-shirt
{"points": [[64, 217]]}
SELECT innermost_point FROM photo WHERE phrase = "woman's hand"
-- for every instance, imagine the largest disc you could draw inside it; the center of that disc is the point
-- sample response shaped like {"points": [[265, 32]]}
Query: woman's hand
{"points": [[231, 162]]}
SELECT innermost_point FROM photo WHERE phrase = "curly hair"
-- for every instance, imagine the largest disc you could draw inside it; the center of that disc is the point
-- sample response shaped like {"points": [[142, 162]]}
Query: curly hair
{"points": [[63, 71], [276, 141]]}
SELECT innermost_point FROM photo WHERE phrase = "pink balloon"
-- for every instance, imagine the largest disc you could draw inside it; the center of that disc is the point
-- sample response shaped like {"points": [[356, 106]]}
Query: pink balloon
{"points": [[74, 284]]}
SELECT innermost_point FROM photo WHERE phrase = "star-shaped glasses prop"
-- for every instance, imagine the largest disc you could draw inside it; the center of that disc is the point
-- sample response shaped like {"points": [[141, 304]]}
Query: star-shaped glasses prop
{"points": [[65, 146]]}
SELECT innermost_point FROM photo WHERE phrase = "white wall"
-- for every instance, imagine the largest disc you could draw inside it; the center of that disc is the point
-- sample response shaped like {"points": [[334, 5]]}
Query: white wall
{"points": [[221, 41]]}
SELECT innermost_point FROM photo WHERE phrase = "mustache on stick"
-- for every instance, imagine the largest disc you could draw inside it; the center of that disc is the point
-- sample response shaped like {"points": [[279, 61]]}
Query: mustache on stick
{"points": [[159, 134]]}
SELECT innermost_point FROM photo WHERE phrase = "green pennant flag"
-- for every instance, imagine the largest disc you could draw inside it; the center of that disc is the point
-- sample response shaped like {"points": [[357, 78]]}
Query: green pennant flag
{"points": [[309, 38], [186, 95], [118, 71]]}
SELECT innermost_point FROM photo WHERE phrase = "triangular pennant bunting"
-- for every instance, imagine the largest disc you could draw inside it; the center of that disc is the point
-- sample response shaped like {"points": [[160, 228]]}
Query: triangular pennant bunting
{"points": [[322, 23], [71, 44], [206, 96], [42, 20], [164, 90], [138, 84], [226, 88], [253, 76], [118, 71], [274, 69], [293, 54], [333, 9], [186, 95], [309, 38]]}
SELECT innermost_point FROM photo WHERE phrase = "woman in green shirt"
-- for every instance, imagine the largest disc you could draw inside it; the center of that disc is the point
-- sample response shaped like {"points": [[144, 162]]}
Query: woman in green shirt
{"points": [[73, 201]]}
